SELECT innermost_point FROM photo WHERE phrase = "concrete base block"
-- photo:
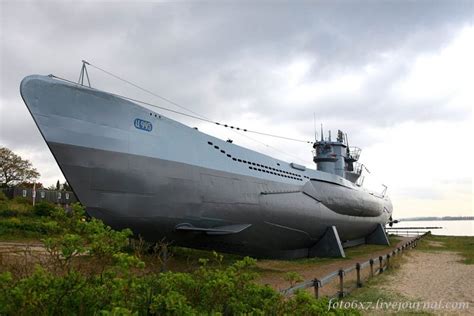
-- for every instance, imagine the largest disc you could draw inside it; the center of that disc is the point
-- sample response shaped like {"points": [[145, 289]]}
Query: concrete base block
{"points": [[378, 237], [328, 246]]}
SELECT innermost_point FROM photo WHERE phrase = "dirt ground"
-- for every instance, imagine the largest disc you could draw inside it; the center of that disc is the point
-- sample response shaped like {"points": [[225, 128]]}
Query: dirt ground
{"points": [[435, 277], [273, 271]]}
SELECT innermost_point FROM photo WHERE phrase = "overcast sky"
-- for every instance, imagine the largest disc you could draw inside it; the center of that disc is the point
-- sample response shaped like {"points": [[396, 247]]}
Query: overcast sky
{"points": [[397, 77]]}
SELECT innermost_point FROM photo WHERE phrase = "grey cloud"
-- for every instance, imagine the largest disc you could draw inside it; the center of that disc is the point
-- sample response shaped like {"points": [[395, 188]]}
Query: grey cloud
{"points": [[218, 58]]}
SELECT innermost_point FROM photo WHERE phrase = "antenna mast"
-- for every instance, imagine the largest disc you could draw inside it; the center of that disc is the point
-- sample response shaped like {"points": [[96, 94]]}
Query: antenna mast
{"points": [[314, 125], [84, 72]]}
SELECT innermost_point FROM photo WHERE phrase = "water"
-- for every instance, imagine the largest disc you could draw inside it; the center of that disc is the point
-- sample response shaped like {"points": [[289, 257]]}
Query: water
{"points": [[450, 228]]}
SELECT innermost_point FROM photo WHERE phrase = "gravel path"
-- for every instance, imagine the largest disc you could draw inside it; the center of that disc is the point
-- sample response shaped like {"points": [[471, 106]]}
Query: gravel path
{"points": [[435, 277]]}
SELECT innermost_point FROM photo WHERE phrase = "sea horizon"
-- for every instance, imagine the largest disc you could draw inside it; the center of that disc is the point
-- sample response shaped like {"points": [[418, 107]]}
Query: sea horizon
{"points": [[461, 227]]}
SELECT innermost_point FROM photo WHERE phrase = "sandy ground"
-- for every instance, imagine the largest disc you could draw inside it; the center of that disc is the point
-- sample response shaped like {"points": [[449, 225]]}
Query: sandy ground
{"points": [[20, 257], [435, 277]]}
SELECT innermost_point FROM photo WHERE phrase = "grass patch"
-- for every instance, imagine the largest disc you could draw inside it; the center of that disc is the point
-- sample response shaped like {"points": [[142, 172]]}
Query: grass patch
{"points": [[362, 250], [188, 259], [351, 253], [464, 245], [194, 255]]}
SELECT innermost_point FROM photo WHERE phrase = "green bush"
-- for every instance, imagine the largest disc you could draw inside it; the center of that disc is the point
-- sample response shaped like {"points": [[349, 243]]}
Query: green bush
{"points": [[28, 224], [116, 292], [5, 211], [43, 208], [116, 283], [18, 206], [21, 200], [3, 197], [4, 203]]}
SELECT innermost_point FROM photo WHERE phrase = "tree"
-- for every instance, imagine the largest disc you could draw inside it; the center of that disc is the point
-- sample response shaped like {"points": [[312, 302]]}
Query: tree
{"points": [[30, 185], [58, 187], [15, 170], [66, 186]]}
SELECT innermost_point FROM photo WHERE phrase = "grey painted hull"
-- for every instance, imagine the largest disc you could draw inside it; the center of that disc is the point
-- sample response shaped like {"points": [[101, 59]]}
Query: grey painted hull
{"points": [[158, 176]]}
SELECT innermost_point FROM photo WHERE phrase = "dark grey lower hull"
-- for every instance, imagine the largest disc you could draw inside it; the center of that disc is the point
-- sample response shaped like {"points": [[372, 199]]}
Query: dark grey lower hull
{"points": [[153, 196]]}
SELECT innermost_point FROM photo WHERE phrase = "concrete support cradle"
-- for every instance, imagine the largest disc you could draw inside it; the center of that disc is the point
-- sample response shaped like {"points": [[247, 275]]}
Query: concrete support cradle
{"points": [[328, 246], [377, 237]]}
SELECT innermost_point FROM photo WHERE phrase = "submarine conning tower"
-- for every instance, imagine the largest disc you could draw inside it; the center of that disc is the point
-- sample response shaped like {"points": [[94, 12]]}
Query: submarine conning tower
{"points": [[336, 157]]}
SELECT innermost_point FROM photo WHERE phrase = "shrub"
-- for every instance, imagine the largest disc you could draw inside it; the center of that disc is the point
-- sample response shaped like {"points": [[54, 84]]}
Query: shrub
{"points": [[3, 197], [28, 224], [6, 212], [293, 278], [43, 208], [4, 206], [18, 206], [21, 200]]}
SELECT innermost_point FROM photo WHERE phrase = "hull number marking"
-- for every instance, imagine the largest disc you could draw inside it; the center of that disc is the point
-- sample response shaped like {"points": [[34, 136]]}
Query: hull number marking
{"points": [[143, 125]]}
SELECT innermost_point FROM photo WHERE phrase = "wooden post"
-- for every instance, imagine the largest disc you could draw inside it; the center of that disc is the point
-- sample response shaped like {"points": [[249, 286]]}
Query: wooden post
{"points": [[317, 285], [388, 261], [341, 283], [381, 264], [371, 261], [359, 283]]}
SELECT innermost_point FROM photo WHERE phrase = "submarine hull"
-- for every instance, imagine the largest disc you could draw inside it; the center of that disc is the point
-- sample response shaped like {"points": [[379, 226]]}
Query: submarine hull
{"points": [[135, 168]]}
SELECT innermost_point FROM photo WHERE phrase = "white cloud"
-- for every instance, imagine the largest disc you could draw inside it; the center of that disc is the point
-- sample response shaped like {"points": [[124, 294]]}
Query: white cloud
{"points": [[429, 163], [444, 74]]}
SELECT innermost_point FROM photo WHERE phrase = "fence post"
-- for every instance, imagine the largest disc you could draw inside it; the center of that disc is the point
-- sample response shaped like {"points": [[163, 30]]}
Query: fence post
{"points": [[381, 264], [359, 283], [371, 261], [317, 286], [388, 261], [341, 283]]}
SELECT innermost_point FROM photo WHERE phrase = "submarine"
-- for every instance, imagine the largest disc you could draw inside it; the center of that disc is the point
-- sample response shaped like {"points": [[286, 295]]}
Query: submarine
{"points": [[135, 168]]}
